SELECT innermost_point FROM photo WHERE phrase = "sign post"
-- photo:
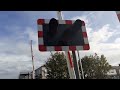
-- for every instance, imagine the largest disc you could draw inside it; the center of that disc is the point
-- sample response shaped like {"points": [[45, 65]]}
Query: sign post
{"points": [[63, 35], [76, 67], [68, 58]]}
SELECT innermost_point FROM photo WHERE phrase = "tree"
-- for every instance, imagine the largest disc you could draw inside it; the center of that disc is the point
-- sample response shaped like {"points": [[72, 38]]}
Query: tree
{"points": [[95, 67], [57, 67]]}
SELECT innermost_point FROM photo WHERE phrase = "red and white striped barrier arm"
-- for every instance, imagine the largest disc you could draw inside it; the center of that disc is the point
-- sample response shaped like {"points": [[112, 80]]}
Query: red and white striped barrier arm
{"points": [[118, 14]]}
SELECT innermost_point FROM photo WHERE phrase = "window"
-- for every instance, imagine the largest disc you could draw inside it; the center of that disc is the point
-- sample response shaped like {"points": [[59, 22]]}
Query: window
{"points": [[112, 72]]}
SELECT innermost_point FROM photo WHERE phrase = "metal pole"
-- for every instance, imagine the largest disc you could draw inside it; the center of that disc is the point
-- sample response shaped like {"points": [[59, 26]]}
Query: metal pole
{"points": [[33, 73], [77, 72], [76, 69], [70, 62], [71, 72], [59, 15], [81, 66], [68, 65]]}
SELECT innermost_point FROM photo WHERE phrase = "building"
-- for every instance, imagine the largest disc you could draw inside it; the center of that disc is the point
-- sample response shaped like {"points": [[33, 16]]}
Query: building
{"points": [[24, 75], [40, 73], [114, 72]]}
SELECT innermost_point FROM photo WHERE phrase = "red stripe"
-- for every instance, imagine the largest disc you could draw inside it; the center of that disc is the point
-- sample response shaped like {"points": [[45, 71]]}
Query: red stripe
{"points": [[86, 47], [58, 48], [83, 23], [40, 34], [68, 21], [42, 48], [40, 21], [70, 59], [84, 34], [72, 48]]}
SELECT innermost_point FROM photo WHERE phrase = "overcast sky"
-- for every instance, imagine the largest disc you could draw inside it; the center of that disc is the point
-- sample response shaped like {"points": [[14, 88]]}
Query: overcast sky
{"points": [[17, 28]]}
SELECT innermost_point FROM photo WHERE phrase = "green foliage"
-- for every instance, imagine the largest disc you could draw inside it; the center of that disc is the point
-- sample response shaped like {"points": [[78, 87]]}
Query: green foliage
{"points": [[57, 67], [95, 67]]}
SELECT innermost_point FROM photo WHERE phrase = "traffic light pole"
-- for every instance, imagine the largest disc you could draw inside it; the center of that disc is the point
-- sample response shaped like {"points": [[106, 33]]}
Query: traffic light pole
{"points": [[70, 69]]}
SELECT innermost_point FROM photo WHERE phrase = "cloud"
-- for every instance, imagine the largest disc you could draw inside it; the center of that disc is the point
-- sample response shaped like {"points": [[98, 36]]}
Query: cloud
{"points": [[117, 40], [31, 33], [84, 18], [102, 34], [15, 53], [100, 39], [99, 44]]}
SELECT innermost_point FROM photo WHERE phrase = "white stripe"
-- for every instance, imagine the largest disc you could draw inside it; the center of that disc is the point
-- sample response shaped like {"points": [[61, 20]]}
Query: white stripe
{"points": [[50, 48], [40, 28], [65, 48], [59, 15], [83, 29], [61, 21], [79, 47], [118, 12], [47, 21], [86, 40], [40, 41]]}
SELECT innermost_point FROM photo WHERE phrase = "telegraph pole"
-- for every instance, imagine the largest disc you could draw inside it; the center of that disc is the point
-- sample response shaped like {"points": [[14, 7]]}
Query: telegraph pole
{"points": [[33, 73]]}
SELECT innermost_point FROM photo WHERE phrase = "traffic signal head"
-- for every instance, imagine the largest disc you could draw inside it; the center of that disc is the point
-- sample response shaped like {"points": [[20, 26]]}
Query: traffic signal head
{"points": [[53, 25], [77, 24]]}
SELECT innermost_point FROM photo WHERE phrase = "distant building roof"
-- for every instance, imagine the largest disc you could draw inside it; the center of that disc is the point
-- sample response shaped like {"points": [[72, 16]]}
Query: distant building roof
{"points": [[24, 72], [115, 67]]}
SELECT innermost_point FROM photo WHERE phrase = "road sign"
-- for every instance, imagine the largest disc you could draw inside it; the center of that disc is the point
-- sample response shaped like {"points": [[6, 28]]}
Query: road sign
{"points": [[62, 35]]}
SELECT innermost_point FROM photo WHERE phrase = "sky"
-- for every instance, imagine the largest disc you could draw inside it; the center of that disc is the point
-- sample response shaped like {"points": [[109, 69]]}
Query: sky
{"points": [[17, 28]]}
